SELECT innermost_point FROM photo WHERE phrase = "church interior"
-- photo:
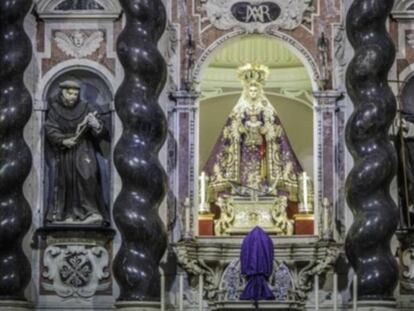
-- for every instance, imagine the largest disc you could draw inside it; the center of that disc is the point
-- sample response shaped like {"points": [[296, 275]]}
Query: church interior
{"points": [[206, 155]]}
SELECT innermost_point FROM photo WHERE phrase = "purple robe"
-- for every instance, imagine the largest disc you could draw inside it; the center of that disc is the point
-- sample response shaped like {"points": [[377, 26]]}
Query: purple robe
{"points": [[256, 260]]}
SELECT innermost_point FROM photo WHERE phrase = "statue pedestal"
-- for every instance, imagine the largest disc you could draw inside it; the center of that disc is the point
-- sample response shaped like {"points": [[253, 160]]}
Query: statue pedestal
{"points": [[75, 263], [14, 305], [304, 224], [206, 224], [138, 305]]}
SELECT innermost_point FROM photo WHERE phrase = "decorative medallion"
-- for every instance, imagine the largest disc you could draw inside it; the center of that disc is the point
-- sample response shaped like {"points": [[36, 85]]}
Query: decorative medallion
{"points": [[78, 44], [257, 16], [245, 12], [75, 270]]}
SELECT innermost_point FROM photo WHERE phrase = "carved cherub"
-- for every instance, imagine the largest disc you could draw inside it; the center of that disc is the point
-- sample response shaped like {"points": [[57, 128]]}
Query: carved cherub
{"points": [[280, 217], [78, 44]]}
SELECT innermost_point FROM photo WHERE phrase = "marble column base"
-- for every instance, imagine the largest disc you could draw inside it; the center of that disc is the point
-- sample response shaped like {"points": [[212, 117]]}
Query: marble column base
{"points": [[15, 305], [137, 306], [373, 305]]}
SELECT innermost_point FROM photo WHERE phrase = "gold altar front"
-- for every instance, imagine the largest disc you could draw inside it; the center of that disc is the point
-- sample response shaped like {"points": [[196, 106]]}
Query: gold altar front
{"points": [[239, 215]]}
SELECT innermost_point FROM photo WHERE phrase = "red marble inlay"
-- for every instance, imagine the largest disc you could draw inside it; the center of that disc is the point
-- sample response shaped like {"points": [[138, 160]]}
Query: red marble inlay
{"points": [[304, 227], [205, 227]]}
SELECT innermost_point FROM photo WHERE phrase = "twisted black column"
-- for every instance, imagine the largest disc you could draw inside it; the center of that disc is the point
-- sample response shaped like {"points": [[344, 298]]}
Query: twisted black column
{"points": [[136, 154], [15, 156], [375, 214]]}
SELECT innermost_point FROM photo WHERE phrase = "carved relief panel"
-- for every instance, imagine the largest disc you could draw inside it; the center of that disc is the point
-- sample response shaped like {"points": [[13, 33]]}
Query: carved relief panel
{"points": [[74, 264], [205, 23], [75, 270], [254, 16]]}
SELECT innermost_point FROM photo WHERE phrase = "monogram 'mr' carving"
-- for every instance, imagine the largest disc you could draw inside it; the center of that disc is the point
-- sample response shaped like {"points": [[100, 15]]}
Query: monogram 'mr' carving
{"points": [[257, 17], [253, 13]]}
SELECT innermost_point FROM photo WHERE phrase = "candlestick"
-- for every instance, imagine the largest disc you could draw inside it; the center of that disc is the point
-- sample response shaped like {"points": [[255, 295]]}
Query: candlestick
{"points": [[200, 292], [327, 220], [203, 190], [305, 192], [325, 215], [162, 295], [355, 292], [317, 292], [181, 301], [335, 292], [187, 216]]}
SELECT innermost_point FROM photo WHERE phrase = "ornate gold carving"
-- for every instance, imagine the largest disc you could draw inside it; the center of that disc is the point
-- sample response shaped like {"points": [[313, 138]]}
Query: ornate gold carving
{"points": [[239, 215], [253, 73], [304, 217]]}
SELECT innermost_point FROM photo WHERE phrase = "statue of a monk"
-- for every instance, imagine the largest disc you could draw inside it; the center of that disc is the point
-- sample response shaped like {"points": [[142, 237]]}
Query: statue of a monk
{"points": [[73, 130], [253, 151], [404, 143]]}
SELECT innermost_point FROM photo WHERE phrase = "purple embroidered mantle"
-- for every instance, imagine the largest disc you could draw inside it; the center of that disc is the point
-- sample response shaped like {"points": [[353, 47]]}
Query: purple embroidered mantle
{"points": [[253, 150]]}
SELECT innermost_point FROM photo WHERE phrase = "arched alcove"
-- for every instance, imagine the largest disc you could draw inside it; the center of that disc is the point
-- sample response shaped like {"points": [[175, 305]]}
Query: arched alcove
{"points": [[288, 88], [98, 94], [284, 40], [93, 88], [312, 118], [407, 95]]}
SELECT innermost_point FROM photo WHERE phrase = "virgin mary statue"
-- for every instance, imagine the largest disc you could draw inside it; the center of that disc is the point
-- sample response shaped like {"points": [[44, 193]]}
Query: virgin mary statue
{"points": [[253, 152]]}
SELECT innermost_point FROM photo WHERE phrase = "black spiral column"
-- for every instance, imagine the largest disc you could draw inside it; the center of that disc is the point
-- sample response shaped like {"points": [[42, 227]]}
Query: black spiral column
{"points": [[136, 154], [15, 156], [375, 214]]}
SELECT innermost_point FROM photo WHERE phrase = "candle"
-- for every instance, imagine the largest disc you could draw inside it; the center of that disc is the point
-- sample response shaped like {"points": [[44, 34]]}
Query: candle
{"points": [[181, 301], [305, 192], [355, 292], [162, 290], [335, 292], [203, 188], [325, 217], [200, 292], [187, 216], [317, 292]]}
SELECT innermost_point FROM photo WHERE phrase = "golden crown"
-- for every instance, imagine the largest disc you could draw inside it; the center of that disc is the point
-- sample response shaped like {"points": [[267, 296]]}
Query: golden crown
{"points": [[253, 73]]}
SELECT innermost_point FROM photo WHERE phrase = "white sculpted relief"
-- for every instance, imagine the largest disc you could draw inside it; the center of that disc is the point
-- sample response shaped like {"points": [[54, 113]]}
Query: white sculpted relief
{"points": [[78, 44], [75, 270], [407, 273], [410, 39], [257, 16]]}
